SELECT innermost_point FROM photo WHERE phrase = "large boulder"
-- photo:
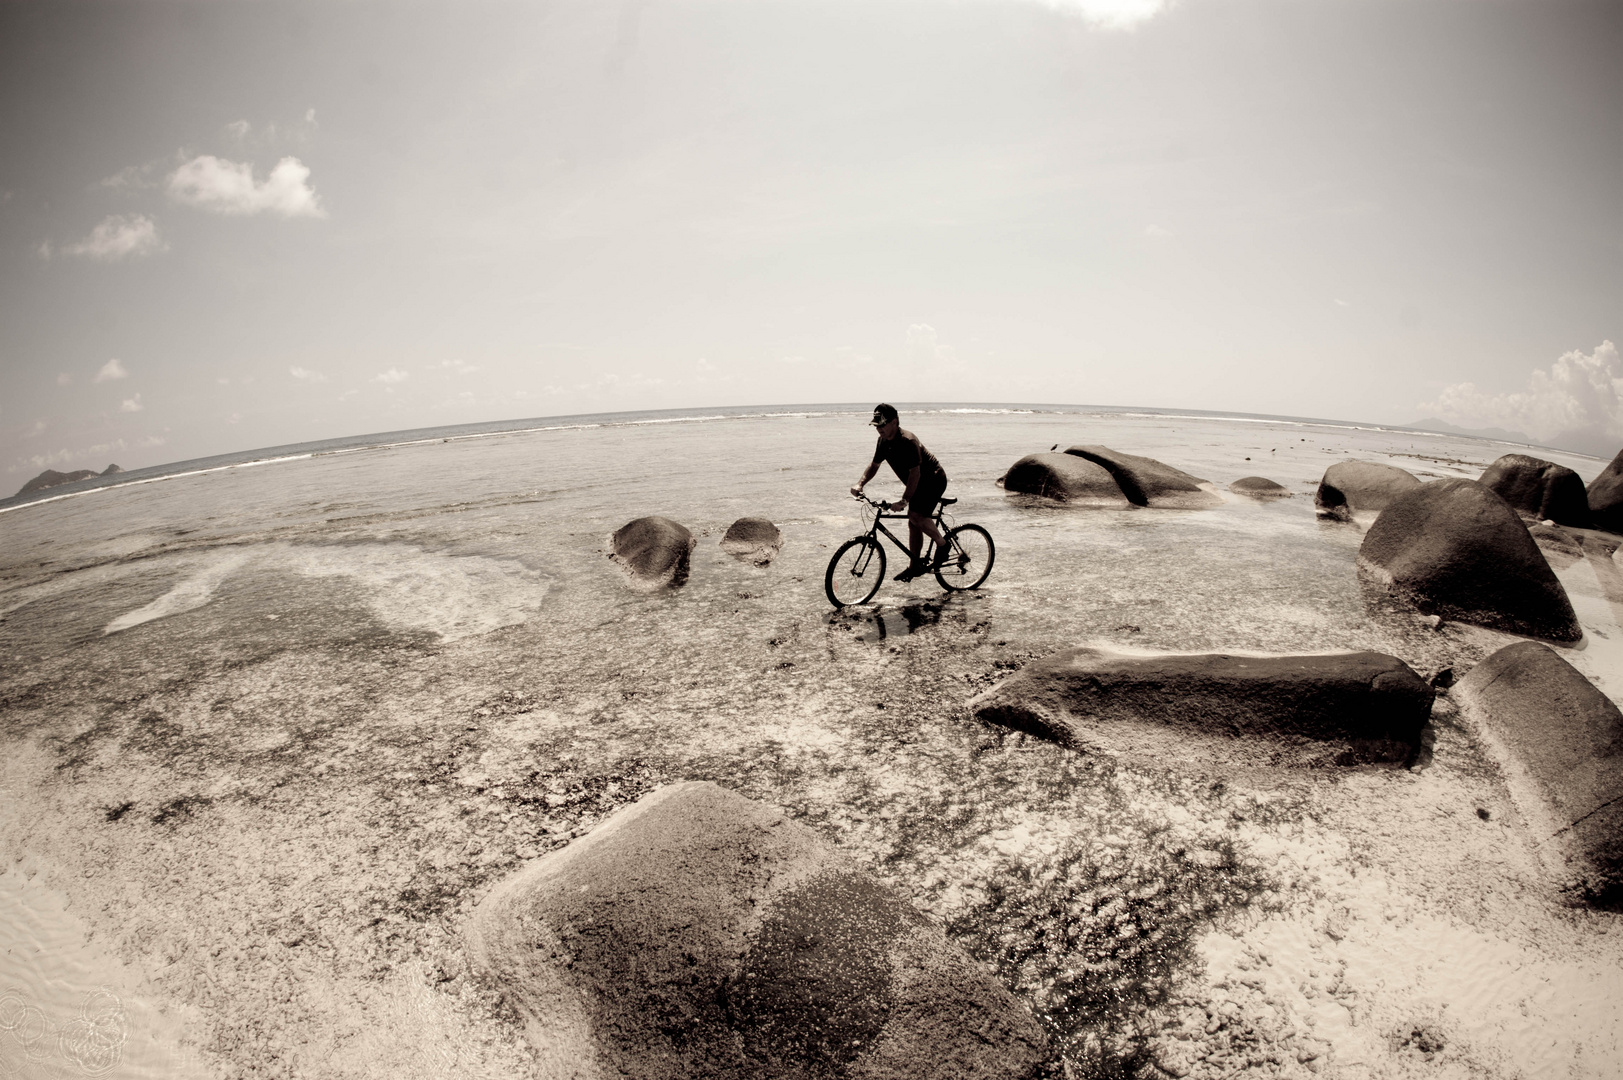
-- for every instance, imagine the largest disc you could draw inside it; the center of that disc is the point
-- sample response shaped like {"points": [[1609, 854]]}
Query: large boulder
{"points": [[698, 933], [1605, 497], [1259, 487], [1147, 482], [753, 539], [1351, 486], [1218, 708], [1561, 741], [653, 551], [1064, 477], [1455, 549], [1538, 489]]}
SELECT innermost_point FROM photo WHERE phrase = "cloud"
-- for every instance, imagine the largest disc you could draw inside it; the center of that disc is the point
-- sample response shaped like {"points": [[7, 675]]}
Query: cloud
{"points": [[63, 379], [227, 187], [393, 375], [121, 236], [111, 370], [310, 117], [1576, 404], [460, 367], [131, 404], [239, 129], [306, 374], [131, 178], [923, 344], [1113, 14], [1157, 230], [37, 430]]}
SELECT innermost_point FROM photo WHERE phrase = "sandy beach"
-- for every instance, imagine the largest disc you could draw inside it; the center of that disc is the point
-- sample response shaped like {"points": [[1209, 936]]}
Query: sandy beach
{"points": [[270, 734]]}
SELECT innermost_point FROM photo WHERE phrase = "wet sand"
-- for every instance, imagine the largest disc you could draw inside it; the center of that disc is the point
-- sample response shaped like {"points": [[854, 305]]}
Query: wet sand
{"points": [[267, 741]]}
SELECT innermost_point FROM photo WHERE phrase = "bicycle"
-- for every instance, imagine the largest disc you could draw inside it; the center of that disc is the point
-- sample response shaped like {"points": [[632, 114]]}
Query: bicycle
{"points": [[858, 568]]}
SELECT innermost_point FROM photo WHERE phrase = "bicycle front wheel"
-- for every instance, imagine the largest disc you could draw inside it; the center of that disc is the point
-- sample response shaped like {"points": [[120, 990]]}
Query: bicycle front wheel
{"points": [[855, 572], [969, 560]]}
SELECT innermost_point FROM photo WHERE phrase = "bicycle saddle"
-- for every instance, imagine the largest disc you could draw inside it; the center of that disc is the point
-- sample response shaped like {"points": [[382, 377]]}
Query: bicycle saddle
{"points": [[948, 502]]}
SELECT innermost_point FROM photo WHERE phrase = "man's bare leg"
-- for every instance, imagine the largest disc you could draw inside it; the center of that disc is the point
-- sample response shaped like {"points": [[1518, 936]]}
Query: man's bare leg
{"points": [[919, 526]]}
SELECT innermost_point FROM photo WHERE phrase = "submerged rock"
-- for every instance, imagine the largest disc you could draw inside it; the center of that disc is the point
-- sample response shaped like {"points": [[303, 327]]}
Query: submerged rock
{"points": [[1064, 477], [1538, 489], [1605, 497], [1337, 708], [753, 539], [654, 551], [699, 933], [1563, 740], [1259, 487], [1147, 482], [1453, 548], [1349, 486]]}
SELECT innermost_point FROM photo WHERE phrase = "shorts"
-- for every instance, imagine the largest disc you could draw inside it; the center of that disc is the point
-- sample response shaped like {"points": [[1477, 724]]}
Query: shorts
{"points": [[927, 494]]}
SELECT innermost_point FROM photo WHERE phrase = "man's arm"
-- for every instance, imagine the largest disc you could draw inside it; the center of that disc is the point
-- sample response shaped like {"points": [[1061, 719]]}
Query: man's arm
{"points": [[867, 474], [907, 492]]}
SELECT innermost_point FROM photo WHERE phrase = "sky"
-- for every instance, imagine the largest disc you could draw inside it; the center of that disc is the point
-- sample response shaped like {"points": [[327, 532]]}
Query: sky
{"points": [[226, 225]]}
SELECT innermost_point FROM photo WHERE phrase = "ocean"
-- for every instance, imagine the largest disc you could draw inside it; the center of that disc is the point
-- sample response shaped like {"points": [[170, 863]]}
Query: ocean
{"points": [[274, 721]]}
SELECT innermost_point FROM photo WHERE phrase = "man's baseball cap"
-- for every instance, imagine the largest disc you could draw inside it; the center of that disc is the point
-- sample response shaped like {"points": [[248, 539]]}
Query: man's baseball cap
{"points": [[883, 414]]}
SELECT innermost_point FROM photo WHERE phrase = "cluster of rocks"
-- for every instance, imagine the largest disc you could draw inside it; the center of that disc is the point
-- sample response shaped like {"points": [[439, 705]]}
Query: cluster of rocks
{"points": [[50, 478], [655, 551]]}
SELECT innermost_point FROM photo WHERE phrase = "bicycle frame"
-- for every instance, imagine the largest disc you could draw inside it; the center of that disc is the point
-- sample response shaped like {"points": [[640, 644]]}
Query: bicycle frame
{"points": [[882, 515]]}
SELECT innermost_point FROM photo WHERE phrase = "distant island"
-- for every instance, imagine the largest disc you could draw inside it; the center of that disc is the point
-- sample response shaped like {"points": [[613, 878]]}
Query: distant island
{"points": [[51, 478]]}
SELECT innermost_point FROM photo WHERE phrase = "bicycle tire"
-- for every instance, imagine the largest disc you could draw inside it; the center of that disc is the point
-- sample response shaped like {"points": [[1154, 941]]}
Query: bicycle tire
{"points": [[855, 572], [973, 554]]}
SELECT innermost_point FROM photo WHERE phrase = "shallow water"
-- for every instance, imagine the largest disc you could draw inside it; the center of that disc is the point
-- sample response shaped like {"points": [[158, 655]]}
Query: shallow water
{"points": [[296, 717]]}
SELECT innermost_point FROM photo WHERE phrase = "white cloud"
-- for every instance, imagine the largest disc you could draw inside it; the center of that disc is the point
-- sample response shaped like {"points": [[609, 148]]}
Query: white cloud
{"points": [[63, 379], [393, 375], [923, 344], [227, 187], [310, 117], [120, 236], [1576, 404], [1113, 14], [306, 374], [1157, 230], [37, 430], [239, 129], [460, 367], [131, 404], [111, 370], [131, 177]]}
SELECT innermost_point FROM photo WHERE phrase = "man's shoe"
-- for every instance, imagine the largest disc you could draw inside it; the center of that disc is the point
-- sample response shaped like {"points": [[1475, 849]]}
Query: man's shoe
{"points": [[912, 572], [943, 558]]}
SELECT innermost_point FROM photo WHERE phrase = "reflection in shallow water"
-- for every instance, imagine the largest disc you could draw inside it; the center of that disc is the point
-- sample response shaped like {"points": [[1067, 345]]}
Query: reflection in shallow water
{"points": [[881, 621]]}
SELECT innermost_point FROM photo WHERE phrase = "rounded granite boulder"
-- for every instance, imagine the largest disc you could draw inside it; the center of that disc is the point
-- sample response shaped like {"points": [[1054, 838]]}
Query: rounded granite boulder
{"points": [[1605, 497], [654, 551], [1218, 709], [1351, 486], [1066, 478], [752, 539], [1539, 489], [1562, 744], [1259, 487], [699, 933], [1453, 548], [1147, 482]]}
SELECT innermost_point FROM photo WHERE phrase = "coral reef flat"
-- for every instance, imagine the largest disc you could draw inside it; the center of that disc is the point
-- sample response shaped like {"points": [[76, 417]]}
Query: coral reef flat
{"points": [[268, 737]]}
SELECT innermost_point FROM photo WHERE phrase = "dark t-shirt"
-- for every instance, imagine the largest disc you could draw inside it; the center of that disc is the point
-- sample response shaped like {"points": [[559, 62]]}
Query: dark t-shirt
{"points": [[905, 451]]}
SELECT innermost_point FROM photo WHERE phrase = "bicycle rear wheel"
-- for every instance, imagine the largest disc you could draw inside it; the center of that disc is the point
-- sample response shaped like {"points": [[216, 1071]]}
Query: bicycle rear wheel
{"points": [[970, 559], [855, 572]]}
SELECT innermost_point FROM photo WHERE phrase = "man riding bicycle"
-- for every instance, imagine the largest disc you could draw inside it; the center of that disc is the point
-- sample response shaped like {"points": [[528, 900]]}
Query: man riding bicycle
{"points": [[925, 480]]}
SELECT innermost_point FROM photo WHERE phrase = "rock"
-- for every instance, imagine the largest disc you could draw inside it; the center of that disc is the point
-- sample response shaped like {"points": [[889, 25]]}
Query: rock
{"points": [[1147, 482], [1538, 489], [1259, 487], [1335, 708], [1064, 477], [752, 539], [1455, 549], [1561, 547], [1562, 742], [654, 551], [111, 470], [50, 478], [1349, 486], [699, 933], [1605, 497]]}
